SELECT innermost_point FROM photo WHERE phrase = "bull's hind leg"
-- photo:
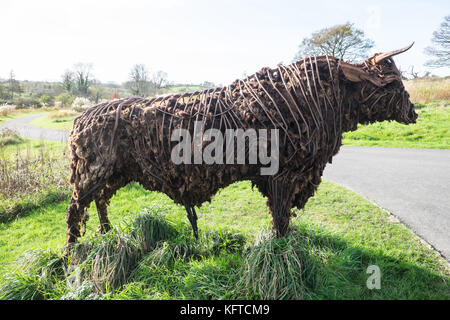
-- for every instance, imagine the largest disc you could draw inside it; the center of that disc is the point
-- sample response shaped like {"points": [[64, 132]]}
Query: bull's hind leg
{"points": [[102, 211], [102, 201], [192, 217]]}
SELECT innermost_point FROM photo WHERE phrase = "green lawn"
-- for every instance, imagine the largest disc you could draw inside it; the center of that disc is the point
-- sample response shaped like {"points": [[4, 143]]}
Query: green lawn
{"points": [[432, 130], [339, 234], [60, 123]]}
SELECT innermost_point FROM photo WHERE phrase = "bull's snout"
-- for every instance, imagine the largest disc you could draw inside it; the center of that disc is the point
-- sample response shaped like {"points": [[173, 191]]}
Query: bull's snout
{"points": [[408, 117], [412, 115]]}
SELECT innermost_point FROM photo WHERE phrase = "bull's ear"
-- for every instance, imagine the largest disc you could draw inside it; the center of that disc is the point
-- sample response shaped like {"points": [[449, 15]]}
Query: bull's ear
{"points": [[356, 74]]}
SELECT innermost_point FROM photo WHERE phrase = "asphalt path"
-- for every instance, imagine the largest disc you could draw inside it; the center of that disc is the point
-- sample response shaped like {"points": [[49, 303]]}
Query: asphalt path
{"points": [[23, 127], [412, 184]]}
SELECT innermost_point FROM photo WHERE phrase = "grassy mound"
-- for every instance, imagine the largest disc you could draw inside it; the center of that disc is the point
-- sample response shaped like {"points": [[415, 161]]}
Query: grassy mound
{"points": [[9, 137]]}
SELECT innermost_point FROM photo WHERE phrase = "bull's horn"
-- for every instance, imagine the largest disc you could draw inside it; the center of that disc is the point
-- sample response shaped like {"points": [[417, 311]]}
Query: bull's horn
{"points": [[383, 56]]}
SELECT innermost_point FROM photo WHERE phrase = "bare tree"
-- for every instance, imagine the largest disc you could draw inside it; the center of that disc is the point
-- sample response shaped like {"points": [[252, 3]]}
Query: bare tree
{"points": [[138, 80], [341, 41], [13, 85], [159, 79], [413, 74], [440, 51]]}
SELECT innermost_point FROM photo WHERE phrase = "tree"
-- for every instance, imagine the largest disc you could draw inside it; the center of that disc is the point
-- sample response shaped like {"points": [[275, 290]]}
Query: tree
{"points": [[64, 100], [13, 85], [3, 93], [45, 100], [440, 51], [138, 80], [82, 74], [68, 81], [341, 41], [159, 79]]}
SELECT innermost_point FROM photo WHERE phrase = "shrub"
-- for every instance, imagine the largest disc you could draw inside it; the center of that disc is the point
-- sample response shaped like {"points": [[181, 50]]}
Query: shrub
{"points": [[6, 109], [9, 137], [45, 100], [64, 100], [80, 104], [26, 102]]}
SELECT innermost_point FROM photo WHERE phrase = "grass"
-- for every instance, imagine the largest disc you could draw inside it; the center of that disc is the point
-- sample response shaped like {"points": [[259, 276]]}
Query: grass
{"points": [[152, 254], [432, 130], [426, 90], [60, 120], [33, 173]]}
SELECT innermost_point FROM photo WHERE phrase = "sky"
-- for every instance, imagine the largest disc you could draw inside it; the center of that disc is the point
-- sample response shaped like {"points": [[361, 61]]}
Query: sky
{"points": [[195, 40]]}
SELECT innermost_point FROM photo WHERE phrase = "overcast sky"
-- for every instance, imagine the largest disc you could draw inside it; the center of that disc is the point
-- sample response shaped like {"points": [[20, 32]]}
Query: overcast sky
{"points": [[196, 41]]}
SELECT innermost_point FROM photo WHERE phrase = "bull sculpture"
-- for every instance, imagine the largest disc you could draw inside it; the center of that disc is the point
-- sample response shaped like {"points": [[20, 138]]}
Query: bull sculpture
{"points": [[311, 103]]}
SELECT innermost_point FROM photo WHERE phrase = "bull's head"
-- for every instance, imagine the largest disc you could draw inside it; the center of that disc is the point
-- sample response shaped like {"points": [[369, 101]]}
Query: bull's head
{"points": [[380, 91]]}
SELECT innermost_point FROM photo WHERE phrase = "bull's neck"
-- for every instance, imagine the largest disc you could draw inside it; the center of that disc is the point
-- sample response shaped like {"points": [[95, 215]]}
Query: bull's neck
{"points": [[355, 110]]}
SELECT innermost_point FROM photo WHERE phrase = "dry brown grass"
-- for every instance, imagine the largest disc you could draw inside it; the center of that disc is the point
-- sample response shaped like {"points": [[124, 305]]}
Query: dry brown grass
{"points": [[31, 175], [62, 114], [6, 110], [425, 90]]}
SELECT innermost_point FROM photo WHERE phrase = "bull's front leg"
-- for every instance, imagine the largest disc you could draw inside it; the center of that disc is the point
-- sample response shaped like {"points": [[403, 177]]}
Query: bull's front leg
{"points": [[279, 203], [74, 220]]}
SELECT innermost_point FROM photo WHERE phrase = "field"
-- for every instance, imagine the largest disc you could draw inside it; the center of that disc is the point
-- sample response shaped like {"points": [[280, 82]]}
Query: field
{"points": [[432, 130], [431, 97]]}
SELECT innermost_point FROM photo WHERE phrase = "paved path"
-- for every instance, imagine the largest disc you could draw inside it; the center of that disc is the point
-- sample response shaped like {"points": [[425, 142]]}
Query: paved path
{"points": [[412, 184], [22, 126]]}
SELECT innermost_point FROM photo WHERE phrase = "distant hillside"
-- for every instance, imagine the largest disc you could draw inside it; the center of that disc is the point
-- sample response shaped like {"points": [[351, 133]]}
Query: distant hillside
{"points": [[29, 93]]}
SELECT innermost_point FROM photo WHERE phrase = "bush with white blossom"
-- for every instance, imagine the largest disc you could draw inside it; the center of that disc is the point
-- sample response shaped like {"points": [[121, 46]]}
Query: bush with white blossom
{"points": [[80, 104]]}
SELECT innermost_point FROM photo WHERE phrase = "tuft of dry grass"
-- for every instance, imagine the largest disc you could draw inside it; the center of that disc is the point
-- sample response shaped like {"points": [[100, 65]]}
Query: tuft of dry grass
{"points": [[6, 110], [425, 90], [62, 114]]}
